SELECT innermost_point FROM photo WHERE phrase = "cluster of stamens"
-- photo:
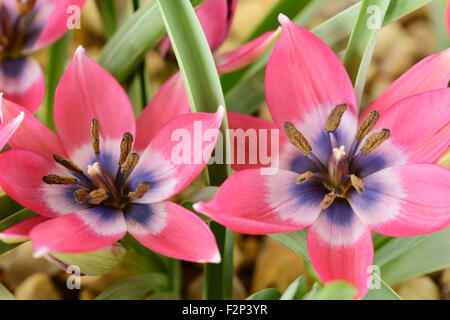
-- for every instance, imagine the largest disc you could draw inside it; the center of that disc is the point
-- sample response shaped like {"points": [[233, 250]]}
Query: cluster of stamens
{"points": [[13, 31], [96, 187], [335, 176]]}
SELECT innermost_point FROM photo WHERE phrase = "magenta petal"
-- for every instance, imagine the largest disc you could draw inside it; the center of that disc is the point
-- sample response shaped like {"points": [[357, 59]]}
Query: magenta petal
{"points": [[169, 102], [429, 74], [340, 247], [22, 82], [420, 125], [251, 203], [173, 231], [32, 134], [176, 155], [20, 232], [82, 231], [405, 201], [304, 81], [21, 173], [247, 54], [57, 23], [88, 91]]}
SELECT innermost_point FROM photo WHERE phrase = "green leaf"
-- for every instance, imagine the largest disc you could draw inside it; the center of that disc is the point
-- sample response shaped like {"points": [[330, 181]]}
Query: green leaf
{"points": [[437, 9], [8, 206], [107, 13], [394, 248], [312, 293], [296, 289], [429, 255], [266, 294], [16, 218], [384, 292], [336, 290], [362, 42], [134, 288], [296, 241], [126, 49], [5, 294], [5, 247], [270, 22], [57, 54], [93, 263]]}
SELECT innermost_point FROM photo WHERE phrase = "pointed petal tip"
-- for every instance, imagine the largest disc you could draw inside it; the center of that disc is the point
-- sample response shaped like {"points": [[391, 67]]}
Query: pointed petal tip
{"points": [[198, 206], [80, 50], [216, 258], [41, 252], [283, 19]]}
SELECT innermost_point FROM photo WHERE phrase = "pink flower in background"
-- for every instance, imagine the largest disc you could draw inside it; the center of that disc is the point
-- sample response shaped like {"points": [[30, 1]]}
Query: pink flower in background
{"points": [[92, 182], [341, 175], [8, 128], [25, 27], [216, 17]]}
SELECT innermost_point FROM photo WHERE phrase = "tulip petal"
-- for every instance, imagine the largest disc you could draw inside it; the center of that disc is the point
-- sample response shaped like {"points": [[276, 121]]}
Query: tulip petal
{"points": [[177, 154], [251, 203], [8, 128], [170, 101], [420, 125], [63, 13], [172, 230], [82, 231], [88, 91], [20, 232], [247, 54], [32, 134], [304, 81], [405, 201], [22, 82], [340, 247], [429, 74], [21, 173]]}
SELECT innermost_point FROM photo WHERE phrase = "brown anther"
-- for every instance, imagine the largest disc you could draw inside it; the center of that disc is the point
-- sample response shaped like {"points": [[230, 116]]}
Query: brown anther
{"points": [[81, 195], [125, 147], [296, 138], [129, 163], [375, 140], [357, 183], [367, 124], [328, 200], [304, 177], [67, 164], [95, 139], [141, 190], [54, 179], [334, 119], [97, 196]]}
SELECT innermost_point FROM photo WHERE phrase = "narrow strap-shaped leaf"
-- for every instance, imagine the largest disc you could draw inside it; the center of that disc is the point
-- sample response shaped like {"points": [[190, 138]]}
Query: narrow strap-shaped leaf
{"points": [[127, 47], [205, 95], [394, 248], [336, 290], [108, 15], [16, 218], [383, 292], [266, 294], [438, 9], [296, 241], [362, 42], [8, 206], [5, 294]]}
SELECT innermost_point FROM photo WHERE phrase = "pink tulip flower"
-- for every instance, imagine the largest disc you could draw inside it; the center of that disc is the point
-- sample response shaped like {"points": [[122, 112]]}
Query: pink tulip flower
{"points": [[92, 182], [25, 27], [8, 128], [340, 174]]}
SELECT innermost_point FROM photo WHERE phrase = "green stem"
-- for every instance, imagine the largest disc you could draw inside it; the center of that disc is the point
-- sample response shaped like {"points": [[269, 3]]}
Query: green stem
{"points": [[107, 13], [57, 54]]}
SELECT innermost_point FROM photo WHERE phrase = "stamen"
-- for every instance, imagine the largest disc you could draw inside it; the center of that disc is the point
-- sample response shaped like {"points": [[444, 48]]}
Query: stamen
{"points": [[131, 162], [367, 124], [95, 140], [334, 119], [97, 196], [54, 179], [357, 183], [296, 138], [304, 177], [375, 140], [125, 147], [81, 195], [67, 164], [141, 190], [25, 7], [328, 200]]}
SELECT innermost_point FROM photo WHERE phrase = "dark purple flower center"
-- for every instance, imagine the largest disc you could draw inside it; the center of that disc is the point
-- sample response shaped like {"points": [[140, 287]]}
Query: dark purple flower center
{"points": [[336, 175], [16, 28], [96, 185]]}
